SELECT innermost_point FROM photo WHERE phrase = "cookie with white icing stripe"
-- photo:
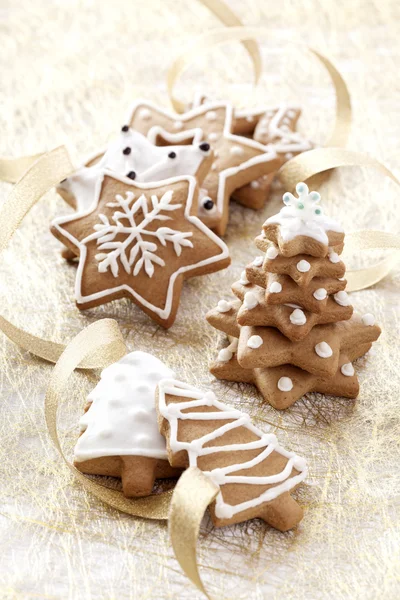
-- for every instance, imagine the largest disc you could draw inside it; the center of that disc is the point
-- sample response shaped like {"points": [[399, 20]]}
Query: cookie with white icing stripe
{"points": [[140, 241], [255, 475], [119, 433]]}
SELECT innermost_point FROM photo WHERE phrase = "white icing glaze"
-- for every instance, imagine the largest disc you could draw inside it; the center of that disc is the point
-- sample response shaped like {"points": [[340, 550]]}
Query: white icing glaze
{"points": [[145, 114], [227, 353], [333, 257], [320, 294], [178, 125], [258, 261], [243, 278], [272, 252], [285, 384], [347, 370], [368, 319], [164, 311], [223, 306], [236, 151], [173, 412], [213, 136], [275, 287], [303, 216], [254, 342], [211, 115], [298, 317], [303, 266], [122, 418], [342, 298], [275, 127], [255, 184], [323, 350], [250, 300]]}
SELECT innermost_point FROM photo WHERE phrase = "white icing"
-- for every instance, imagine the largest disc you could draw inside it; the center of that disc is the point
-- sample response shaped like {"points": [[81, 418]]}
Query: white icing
{"points": [[342, 298], [323, 350], [162, 311], [211, 115], [289, 155], [274, 128], [275, 287], [320, 294], [334, 257], [243, 278], [347, 370], [122, 418], [223, 306], [213, 136], [250, 300], [255, 184], [368, 319], [254, 342], [285, 384], [298, 317], [267, 443], [236, 151], [227, 353], [303, 266], [178, 125], [272, 252], [145, 114], [303, 216], [258, 261]]}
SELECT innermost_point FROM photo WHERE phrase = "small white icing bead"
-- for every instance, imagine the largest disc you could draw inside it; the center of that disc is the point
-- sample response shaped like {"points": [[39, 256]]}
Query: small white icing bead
{"points": [[334, 257], [250, 300], [298, 317], [320, 294], [368, 319], [213, 136], [291, 113], [214, 167], [285, 384], [225, 355], [211, 115], [299, 463], [145, 114], [275, 287], [342, 298], [323, 350], [178, 125], [243, 278], [255, 341], [303, 266], [272, 252], [258, 261], [255, 184], [289, 155], [250, 118], [236, 151], [223, 306], [341, 279], [347, 370]]}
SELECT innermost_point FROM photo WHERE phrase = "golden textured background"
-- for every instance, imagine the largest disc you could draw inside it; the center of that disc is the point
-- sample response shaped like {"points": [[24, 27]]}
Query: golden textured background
{"points": [[69, 71]]}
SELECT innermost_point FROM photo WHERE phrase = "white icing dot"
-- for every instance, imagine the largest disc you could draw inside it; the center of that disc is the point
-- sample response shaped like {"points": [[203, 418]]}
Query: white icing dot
{"points": [[275, 287], [255, 184], [320, 294], [298, 317], [341, 279], [178, 125], [347, 370], [342, 298], [291, 113], [368, 319], [236, 151], [250, 300], [272, 252], [258, 261], [213, 136], [225, 355], [334, 257], [211, 115], [303, 266], [285, 384], [323, 350], [255, 341], [145, 114], [223, 306], [214, 167], [243, 278], [289, 155], [250, 118]]}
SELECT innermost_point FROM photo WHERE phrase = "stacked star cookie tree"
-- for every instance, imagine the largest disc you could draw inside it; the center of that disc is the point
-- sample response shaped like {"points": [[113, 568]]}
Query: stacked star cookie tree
{"points": [[292, 328]]}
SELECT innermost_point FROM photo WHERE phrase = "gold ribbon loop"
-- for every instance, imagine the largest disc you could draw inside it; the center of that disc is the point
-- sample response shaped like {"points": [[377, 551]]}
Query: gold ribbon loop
{"points": [[192, 494], [100, 342], [12, 169]]}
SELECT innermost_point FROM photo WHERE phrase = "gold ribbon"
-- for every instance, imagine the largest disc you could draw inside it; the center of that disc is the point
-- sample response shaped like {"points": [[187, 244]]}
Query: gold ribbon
{"points": [[12, 169], [306, 166], [193, 493], [216, 37]]}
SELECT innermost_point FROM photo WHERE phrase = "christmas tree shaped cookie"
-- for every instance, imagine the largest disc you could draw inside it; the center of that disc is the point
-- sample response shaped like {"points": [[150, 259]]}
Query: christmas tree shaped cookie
{"points": [[119, 434], [292, 319]]}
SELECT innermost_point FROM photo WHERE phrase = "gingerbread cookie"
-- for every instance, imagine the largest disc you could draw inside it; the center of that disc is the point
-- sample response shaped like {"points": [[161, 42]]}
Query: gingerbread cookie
{"points": [[238, 160], [291, 333], [119, 434], [140, 241], [255, 475]]}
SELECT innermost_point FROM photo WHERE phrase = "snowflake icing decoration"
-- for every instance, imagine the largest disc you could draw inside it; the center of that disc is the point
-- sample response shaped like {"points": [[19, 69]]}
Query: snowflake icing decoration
{"points": [[134, 247]]}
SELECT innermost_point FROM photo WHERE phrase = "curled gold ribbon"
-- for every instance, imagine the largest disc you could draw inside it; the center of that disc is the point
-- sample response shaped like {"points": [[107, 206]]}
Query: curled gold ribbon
{"points": [[306, 166], [192, 494], [102, 343], [216, 37], [12, 169]]}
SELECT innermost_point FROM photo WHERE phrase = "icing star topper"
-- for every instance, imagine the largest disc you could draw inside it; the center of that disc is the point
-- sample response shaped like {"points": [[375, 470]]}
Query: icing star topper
{"points": [[140, 240]]}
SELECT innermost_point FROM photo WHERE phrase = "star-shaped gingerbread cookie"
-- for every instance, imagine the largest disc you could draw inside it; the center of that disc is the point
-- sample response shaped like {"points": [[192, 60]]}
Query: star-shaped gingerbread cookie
{"points": [[140, 241], [238, 160]]}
